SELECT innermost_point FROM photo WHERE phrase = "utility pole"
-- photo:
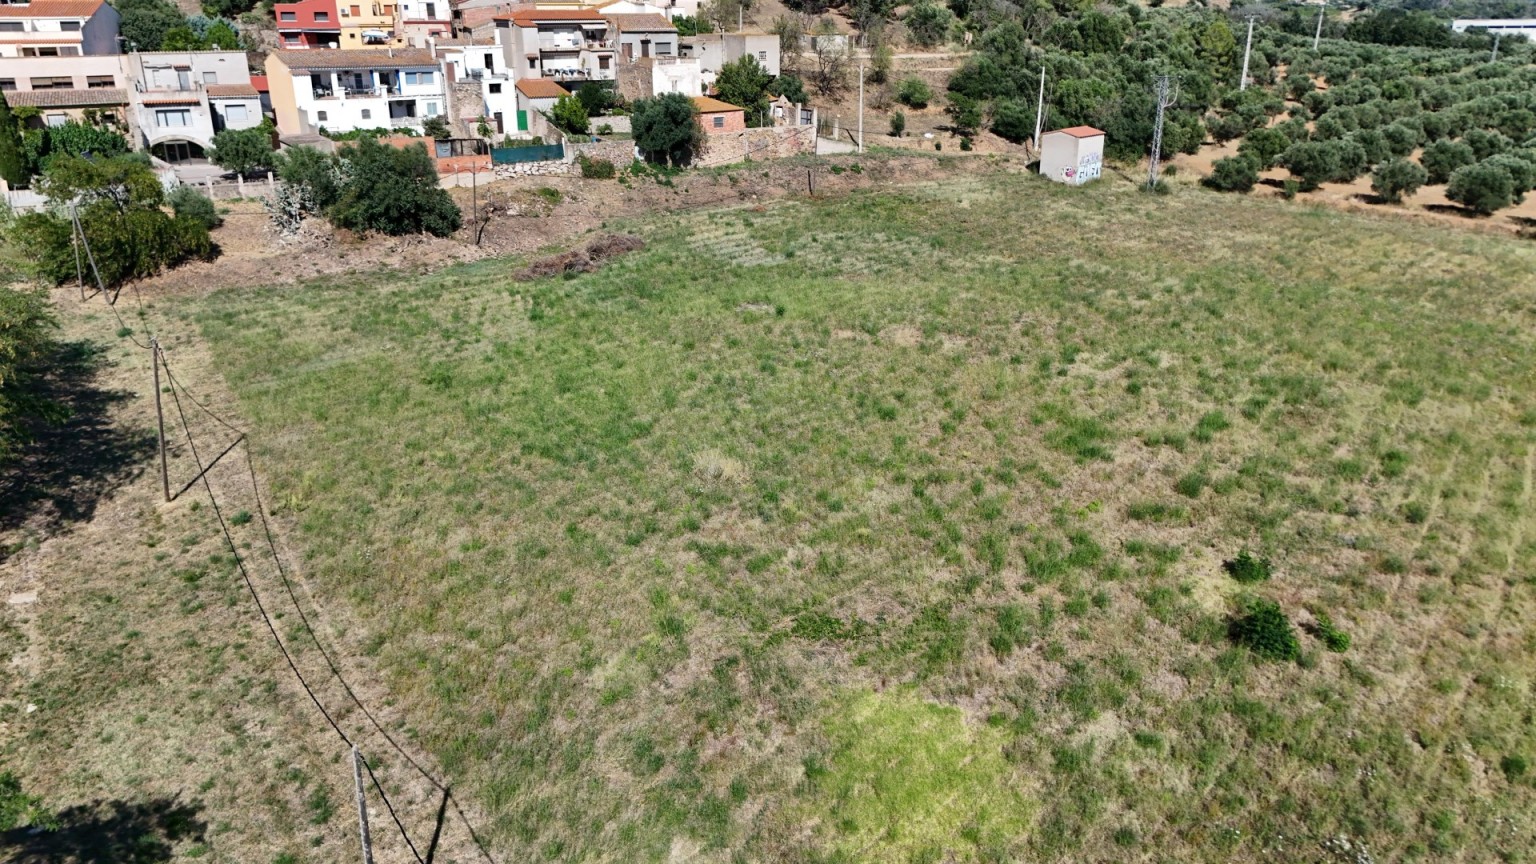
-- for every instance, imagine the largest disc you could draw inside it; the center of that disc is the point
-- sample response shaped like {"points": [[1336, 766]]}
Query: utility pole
{"points": [[861, 107], [74, 242], [165, 476], [1242, 83], [362, 805], [1318, 36], [1167, 94], [1040, 109]]}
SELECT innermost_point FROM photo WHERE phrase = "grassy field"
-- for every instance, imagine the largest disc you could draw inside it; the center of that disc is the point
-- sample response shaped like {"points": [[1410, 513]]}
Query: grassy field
{"points": [[892, 527]]}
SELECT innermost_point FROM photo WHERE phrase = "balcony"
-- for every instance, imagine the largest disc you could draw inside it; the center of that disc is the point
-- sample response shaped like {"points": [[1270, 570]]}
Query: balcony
{"points": [[566, 46]]}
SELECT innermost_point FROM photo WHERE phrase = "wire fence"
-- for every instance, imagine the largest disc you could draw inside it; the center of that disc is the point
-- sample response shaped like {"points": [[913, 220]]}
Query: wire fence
{"points": [[177, 390]]}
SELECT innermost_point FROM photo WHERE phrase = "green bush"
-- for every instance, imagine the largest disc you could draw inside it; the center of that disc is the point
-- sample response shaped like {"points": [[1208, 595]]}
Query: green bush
{"points": [[667, 129], [1262, 628], [596, 169], [1233, 174], [1013, 121], [1481, 188], [914, 92], [1442, 158], [188, 203], [242, 151], [393, 191], [1514, 767], [1396, 178], [898, 123], [570, 115], [1247, 568], [1334, 639], [1264, 146]]}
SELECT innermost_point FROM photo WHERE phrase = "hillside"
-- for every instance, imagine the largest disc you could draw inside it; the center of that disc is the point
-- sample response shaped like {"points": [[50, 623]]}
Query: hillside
{"points": [[903, 525]]}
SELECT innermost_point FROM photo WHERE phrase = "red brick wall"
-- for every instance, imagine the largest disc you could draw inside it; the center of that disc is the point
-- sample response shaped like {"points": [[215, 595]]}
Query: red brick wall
{"points": [[733, 121]]}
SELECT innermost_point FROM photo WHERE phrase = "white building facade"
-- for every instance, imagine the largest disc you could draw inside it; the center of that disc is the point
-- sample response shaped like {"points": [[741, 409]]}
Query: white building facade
{"points": [[181, 99], [343, 90], [58, 28]]}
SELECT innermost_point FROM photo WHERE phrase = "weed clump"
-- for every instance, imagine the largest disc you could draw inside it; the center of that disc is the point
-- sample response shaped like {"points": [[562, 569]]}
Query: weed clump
{"points": [[1334, 639], [1248, 569], [1262, 628]]}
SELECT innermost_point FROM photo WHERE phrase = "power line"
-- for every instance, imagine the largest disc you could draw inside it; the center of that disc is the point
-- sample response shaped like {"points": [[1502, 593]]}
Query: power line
{"points": [[271, 628]]}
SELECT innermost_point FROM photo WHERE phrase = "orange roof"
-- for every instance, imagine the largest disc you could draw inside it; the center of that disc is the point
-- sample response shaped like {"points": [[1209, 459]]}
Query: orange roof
{"points": [[637, 22], [51, 9], [532, 17], [541, 88], [171, 99], [231, 91], [1078, 131], [707, 105]]}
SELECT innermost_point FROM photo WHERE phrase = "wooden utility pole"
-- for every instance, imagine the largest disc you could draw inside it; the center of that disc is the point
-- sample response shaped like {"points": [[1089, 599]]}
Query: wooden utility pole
{"points": [[362, 805], [1242, 83], [165, 476]]}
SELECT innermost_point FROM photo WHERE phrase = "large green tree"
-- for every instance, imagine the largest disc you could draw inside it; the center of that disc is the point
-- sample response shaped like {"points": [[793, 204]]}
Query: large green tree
{"points": [[26, 335], [667, 128], [145, 23], [393, 190], [13, 161], [744, 83], [243, 151]]}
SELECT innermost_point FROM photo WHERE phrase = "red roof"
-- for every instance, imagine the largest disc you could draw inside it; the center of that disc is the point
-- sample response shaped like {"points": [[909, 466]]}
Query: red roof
{"points": [[51, 9], [532, 17], [260, 83], [1078, 132], [707, 105], [541, 88]]}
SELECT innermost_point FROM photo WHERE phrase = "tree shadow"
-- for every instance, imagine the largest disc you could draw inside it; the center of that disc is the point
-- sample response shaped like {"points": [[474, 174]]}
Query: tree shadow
{"points": [[65, 468], [1369, 198], [109, 832], [1452, 210]]}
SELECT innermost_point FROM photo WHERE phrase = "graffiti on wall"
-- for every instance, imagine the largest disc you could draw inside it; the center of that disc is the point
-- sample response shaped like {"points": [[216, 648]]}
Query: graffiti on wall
{"points": [[1090, 167]]}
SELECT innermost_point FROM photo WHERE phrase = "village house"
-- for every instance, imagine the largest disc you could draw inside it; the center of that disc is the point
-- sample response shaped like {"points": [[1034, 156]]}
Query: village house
{"points": [[368, 24], [424, 21], [90, 89], [482, 86], [571, 45], [343, 90], [714, 50], [719, 117], [643, 35], [58, 28], [308, 24], [181, 99]]}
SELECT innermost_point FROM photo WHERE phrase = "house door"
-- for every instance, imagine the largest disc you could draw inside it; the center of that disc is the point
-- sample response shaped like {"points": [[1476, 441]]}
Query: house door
{"points": [[629, 51], [184, 79], [499, 129], [522, 121], [645, 47]]}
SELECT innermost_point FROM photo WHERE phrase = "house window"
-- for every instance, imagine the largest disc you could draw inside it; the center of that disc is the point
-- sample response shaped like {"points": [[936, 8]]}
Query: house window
{"points": [[7, 84], [291, 38], [431, 10], [719, 122], [53, 83], [602, 62], [237, 113], [210, 77], [533, 62], [67, 51], [322, 16], [357, 11], [57, 119], [495, 88], [13, 26], [418, 78], [70, 26], [367, 114], [431, 109], [321, 116], [169, 117], [287, 16], [98, 82], [663, 49]]}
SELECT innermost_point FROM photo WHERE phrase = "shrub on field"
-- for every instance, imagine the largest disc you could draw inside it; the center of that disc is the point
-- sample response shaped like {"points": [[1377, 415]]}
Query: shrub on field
{"points": [[1262, 628], [1233, 174], [1397, 178], [1247, 568], [1442, 158], [1481, 188], [189, 203], [596, 169]]}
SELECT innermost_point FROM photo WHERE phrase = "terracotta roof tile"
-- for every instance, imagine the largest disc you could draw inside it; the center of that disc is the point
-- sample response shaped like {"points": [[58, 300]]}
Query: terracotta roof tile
{"points": [[67, 98], [350, 58], [52, 9], [706, 105], [173, 99], [641, 22], [1078, 131], [232, 91], [541, 88], [532, 17]]}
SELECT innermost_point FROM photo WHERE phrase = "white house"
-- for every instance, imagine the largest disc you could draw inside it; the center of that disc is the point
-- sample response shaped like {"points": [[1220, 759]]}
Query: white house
{"points": [[677, 75], [714, 50], [643, 35], [564, 44], [483, 68], [423, 20], [1073, 156], [58, 28], [342, 90], [1505, 26], [180, 99]]}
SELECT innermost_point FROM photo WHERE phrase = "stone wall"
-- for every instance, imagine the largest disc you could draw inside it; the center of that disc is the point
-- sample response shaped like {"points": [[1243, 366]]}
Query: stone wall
{"points": [[538, 169], [620, 152], [633, 78], [771, 143]]}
